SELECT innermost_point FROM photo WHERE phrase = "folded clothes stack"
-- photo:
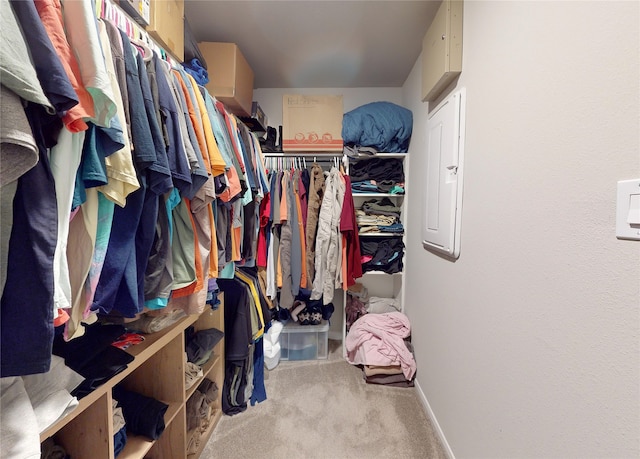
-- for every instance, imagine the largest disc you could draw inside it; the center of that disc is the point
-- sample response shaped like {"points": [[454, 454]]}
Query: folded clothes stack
{"points": [[200, 408]]}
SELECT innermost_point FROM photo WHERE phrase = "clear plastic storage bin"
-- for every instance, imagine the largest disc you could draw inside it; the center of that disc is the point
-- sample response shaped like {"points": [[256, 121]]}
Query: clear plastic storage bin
{"points": [[304, 342]]}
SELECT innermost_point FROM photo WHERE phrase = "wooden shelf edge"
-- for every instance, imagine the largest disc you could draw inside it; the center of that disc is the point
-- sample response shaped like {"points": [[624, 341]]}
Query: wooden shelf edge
{"points": [[136, 447], [381, 273], [377, 195]]}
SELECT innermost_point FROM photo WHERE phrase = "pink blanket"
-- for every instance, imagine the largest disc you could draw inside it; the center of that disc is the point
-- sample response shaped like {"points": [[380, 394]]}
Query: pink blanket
{"points": [[378, 339]]}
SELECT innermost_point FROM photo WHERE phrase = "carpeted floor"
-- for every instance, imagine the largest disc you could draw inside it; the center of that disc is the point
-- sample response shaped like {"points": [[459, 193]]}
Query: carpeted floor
{"points": [[324, 409]]}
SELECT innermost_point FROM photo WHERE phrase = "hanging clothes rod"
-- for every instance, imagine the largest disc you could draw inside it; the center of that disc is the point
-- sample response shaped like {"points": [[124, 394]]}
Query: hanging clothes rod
{"points": [[307, 154]]}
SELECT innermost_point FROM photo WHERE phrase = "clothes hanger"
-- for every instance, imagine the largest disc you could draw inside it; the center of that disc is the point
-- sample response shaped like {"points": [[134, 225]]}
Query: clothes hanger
{"points": [[145, 48]]}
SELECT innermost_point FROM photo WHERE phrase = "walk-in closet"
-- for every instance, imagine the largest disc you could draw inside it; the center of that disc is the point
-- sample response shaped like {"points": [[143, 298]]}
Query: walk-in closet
{"points": [[318, 229]]}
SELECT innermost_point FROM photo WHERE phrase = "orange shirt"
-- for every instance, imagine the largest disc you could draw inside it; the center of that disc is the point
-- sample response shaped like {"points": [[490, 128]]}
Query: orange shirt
{"points": [[197, 124], [217, 165], [50, 12]]}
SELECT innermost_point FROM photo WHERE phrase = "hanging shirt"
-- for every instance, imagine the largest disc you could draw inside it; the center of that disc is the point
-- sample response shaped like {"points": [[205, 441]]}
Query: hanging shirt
{"points": [[49, 69], [50, 12], [199, 175], [176, 154], [349, 229], [16, 71], [216, 163], [82, 34], [121, 174]]}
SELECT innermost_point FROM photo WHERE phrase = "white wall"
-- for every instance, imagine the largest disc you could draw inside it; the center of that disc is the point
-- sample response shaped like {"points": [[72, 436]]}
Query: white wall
{"points": [[529, 344]]}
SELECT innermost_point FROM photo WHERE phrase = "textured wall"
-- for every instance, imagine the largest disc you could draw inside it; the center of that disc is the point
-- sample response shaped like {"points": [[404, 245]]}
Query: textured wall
{"points": [[529, 345]]}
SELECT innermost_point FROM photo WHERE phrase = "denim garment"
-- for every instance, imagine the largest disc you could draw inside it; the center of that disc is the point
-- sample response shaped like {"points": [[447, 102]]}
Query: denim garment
{"points": [[364, 186], [159, 178], [180, 171], [26, 311], [119, 283]]}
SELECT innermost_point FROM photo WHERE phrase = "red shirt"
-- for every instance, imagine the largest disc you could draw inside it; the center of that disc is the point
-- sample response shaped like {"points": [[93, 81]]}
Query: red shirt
{"points": [[349, 228]]}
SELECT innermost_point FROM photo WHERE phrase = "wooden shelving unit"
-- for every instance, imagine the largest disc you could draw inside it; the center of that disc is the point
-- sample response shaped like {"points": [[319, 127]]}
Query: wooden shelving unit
{"points": [[157, 371]]}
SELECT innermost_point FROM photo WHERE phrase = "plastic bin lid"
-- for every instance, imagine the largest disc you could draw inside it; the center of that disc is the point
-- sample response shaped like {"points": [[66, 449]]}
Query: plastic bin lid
{"points": [[295, 327]]}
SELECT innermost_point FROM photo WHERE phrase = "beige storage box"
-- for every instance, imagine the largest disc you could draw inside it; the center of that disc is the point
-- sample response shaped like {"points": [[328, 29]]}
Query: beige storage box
{"points": [[312, 123], [166, 25], [230, 76]]}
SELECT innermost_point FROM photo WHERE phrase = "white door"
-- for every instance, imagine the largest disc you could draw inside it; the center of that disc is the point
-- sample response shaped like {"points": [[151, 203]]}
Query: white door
{"points": [[443, 188]]}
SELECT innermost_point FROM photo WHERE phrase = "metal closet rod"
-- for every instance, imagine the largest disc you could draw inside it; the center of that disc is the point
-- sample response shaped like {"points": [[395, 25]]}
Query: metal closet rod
{"points": [[307, 154], [298, 160]]}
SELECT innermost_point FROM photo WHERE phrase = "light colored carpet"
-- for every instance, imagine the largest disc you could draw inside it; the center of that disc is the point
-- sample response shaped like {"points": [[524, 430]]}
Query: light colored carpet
{"points": [[324, 409]]}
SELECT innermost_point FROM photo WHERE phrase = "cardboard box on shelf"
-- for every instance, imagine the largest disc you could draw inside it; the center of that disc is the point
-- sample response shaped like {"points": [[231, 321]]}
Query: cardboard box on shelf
{"points": [[166, 25], [312, 123], [230, 76]]}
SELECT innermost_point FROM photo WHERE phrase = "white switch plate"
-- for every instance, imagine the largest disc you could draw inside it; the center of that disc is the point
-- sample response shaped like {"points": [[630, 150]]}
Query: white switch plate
{"points": [[628, 190]]}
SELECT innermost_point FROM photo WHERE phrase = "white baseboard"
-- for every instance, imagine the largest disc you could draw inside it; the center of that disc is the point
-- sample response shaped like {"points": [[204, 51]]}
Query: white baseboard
{"points": [[432, 417]]}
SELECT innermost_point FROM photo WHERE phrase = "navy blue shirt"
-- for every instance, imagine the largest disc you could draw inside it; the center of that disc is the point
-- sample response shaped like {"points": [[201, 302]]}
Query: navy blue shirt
{"points": [[26, 310], [159, 178], [180, 170], [53, 78]]}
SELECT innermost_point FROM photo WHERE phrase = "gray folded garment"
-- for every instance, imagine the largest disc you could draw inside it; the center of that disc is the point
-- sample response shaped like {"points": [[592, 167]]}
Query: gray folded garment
{"points": [[202, 342], [209, 389], [196, 406], [378, 305], [382, 206], [356, 151]]}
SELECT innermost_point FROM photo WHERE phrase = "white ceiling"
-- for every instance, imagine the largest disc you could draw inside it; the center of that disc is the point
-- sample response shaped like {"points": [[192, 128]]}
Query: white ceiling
{"points": [[318, 44]]}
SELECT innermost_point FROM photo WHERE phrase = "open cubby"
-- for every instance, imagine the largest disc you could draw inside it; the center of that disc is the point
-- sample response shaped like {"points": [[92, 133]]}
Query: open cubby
{"points": [[158, 372]]}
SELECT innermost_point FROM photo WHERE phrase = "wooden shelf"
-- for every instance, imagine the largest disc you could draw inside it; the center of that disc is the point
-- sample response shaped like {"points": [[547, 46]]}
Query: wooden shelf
{"points": [[376, 195], [136, 447], [381, 273], [375, 234], [157, 371], [151, 345]]}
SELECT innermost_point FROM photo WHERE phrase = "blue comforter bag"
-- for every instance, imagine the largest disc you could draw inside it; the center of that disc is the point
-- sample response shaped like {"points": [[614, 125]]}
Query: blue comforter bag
{"points": [[384, 126]]}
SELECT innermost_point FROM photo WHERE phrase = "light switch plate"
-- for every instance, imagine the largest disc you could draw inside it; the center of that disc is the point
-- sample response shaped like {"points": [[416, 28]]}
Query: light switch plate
{"points": [[626, 211]]}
